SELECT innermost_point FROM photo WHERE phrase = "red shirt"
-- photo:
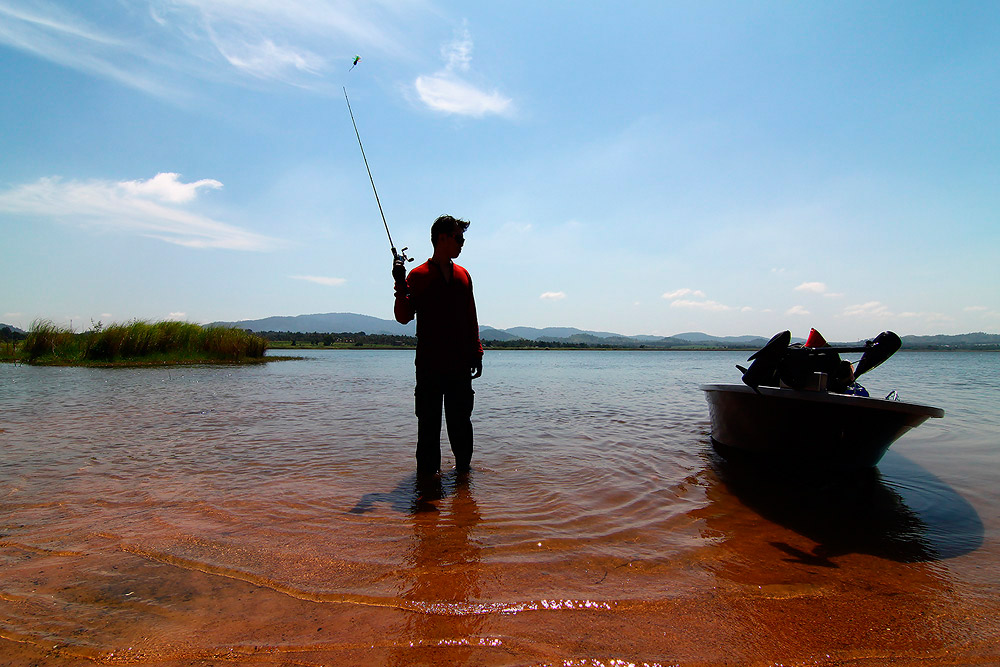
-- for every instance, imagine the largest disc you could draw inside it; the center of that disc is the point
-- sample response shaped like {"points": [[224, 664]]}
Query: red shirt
{"points": [[447, 326]]}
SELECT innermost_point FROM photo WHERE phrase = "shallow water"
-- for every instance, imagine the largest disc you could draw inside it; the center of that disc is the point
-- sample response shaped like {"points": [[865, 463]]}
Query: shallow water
{"points": [[269, 515]]}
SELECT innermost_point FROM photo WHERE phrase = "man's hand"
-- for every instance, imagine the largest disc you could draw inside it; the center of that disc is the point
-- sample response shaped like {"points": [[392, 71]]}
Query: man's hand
{"points": [[477, 370], [399, 271]]}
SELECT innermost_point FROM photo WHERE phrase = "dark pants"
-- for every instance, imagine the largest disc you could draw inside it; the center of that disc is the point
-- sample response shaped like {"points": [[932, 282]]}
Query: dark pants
{"points": [[455, 389]]}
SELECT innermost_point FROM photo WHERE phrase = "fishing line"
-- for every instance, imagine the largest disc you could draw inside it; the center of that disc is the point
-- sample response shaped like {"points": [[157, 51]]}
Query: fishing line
{"points": [[398, 256]]}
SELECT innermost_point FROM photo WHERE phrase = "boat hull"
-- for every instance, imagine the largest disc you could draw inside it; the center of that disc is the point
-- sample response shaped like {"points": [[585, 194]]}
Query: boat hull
{"points": [[808, 427]]}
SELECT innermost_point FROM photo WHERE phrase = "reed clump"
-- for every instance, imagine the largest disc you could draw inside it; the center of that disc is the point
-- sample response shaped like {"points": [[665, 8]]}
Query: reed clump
{"points": [[140, 341]]}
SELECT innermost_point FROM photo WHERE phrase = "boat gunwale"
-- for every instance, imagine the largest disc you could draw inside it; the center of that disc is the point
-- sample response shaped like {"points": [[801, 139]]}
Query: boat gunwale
{"points": [[829, 398]]}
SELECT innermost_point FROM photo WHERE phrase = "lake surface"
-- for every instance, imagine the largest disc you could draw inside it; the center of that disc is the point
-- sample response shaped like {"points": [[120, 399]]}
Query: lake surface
{"points": [[269, 515]]}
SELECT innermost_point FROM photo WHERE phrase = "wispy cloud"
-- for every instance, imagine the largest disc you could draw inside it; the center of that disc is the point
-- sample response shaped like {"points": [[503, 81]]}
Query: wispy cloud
{"points": [[797, 310], [151, 208], [699, 302], [167, 187], [552, 296], [684, 291], [868, 309], [876, 310], [59, 35], [322, 280], [449, 90], [162, 46], [817, 288], [700, 305]]}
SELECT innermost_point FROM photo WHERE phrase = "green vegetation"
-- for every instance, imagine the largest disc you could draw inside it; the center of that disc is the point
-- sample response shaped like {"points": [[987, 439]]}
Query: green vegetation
{"points": [[289, 340], [136, 343], [294, 340]]}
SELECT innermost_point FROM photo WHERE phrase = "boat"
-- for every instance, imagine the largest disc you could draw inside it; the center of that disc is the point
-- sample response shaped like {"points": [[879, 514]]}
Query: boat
{"points": [[801, 405]]}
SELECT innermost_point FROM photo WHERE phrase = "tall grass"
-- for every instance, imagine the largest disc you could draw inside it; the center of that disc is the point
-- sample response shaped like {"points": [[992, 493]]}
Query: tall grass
{"points": [[141, 341], [45, 339]]}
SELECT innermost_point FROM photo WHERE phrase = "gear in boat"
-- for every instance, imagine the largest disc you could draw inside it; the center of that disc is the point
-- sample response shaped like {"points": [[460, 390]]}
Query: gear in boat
{"points": [[815, 365]]}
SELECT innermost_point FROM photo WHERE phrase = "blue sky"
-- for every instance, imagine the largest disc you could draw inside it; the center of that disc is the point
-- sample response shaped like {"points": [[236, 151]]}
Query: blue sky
{"points": [[643, 168]]}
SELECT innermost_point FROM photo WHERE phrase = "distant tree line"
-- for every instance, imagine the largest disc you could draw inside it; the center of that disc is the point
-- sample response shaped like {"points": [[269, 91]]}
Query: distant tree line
{"points": [[357, 338], [580, 342], [362, 339]]}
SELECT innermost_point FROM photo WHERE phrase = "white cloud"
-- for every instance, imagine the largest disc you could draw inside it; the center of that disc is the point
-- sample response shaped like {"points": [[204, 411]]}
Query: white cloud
{"points": [[164, 49], [553, 296], [869, 309], [452, 95], [322, 280], [458, 53], [818, 288], [177, 316], [713, 306], [167, 187], [267, 60], [149, 208], [797, 310], [448, 91], [684, 291], [975, 309]]}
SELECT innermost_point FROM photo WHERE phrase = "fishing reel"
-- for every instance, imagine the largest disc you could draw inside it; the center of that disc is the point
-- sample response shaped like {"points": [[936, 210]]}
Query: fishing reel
{"points": [[401, 256]]}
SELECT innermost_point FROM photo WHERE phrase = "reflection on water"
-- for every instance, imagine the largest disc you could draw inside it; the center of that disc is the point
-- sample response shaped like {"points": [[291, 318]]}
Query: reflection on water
{"points": [[862, 511], [271, 515]]}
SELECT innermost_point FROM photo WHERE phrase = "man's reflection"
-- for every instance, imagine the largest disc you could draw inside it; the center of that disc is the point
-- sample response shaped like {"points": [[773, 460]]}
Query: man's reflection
{"points": [[443, 580]]}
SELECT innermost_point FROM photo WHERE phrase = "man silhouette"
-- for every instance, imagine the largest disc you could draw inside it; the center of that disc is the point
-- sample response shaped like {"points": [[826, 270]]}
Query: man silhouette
{"points": [[449, 353]]}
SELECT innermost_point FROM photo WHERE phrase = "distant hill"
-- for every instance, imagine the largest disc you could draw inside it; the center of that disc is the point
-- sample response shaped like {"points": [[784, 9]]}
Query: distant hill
{"points": [[12, 328], [960, 340], [699, 337], [326, 323], [353, 323], [555, 333], [489, 333]]}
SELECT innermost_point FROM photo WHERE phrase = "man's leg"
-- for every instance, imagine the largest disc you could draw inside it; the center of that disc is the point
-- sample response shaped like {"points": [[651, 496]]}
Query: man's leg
{"points": [[427, 397], [458, 402]]}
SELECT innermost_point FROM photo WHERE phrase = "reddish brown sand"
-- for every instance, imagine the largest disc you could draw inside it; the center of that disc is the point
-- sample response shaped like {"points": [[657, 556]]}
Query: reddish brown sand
{"points": [[191, 583]]}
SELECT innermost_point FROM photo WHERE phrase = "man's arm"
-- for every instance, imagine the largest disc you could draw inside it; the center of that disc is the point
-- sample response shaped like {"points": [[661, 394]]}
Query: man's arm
{"points": [[477, 369], [403, 309]]}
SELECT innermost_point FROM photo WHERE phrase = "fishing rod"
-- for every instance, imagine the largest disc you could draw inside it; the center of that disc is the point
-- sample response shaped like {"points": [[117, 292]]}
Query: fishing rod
{"points": [[397, 256]]}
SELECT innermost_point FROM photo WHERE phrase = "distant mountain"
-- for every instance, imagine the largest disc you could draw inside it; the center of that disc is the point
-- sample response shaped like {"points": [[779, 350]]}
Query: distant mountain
{"points": [[698, 337], [326, 323], [978, 338], [555, 333], [353, 322], [489, 333], [12, 328]]}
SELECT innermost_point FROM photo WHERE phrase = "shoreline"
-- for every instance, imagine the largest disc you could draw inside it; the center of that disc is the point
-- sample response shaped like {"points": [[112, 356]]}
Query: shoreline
{"points": [[596, 348]]}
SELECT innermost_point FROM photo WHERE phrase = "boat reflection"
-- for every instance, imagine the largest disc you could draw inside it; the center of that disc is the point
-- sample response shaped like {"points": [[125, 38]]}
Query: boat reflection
{"points": [[899, 511]]}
